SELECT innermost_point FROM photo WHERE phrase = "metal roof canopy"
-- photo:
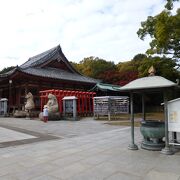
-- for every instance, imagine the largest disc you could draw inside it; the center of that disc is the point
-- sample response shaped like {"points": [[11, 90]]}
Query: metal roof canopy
{"points": [[149, 84], [106, 87]]}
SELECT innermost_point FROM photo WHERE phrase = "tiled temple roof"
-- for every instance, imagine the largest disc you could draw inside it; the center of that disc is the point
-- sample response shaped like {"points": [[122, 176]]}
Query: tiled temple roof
{"points": [[58, 74], [41, 58], [38, 66]]}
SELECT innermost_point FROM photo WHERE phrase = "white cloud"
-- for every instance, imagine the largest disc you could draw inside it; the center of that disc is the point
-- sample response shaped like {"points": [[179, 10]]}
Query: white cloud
{"points": [[103, 28]]}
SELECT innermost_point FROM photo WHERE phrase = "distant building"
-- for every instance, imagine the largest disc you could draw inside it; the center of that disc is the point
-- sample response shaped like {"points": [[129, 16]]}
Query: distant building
{"points": [[48, 70]]}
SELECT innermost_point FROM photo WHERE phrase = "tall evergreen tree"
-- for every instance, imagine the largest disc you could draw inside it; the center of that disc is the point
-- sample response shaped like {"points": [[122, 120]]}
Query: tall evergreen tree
{"points": [[164, 29]]}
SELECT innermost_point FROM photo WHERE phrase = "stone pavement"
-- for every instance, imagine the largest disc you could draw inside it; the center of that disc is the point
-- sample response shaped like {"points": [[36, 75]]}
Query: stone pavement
{"points": [[97, 154], [65, 129], [10, 135]]}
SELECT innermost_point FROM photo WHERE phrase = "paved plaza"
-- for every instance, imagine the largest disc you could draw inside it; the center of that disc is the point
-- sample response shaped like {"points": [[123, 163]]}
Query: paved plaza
{"points": [[78, 150]]}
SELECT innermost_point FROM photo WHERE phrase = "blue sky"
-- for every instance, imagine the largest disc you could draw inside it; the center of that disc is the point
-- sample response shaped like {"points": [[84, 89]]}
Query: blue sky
{"points": [[102, 28]]}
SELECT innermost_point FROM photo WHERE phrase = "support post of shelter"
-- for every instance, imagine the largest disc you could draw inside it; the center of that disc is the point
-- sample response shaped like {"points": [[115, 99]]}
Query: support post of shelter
{"points": [[143, 107], [109, 111], [167, 150], [132, 146]]}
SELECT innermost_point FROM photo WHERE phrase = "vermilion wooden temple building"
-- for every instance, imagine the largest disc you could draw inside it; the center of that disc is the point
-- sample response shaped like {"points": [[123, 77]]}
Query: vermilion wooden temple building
{"points": [[48, 70]]}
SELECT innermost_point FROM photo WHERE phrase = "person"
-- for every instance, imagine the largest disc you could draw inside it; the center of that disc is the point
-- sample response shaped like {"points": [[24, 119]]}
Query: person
{"points": [[45, 114]]}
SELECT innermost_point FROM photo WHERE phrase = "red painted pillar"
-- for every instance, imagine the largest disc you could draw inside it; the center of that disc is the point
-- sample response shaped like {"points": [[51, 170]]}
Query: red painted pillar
{"points": [[83, 105], [79, 102], [75, 93], [89, 103], [86, 102], [65, 93], [41, 99], [60, 96]]}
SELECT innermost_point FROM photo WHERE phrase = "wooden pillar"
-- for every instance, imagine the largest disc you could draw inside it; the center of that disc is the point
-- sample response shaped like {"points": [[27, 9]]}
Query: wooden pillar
{"points": [[143, 107], [1, 93], [19, 96], [26, 89]]}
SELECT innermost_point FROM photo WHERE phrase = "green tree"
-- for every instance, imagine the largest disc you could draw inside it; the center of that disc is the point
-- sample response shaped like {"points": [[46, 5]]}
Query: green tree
{"points": [[140, 65], [139, 57], [169, 4], [94, 66], [132, 65], [124, 72], [164, 67], [126, 66], [164, 29], [7, 69]]}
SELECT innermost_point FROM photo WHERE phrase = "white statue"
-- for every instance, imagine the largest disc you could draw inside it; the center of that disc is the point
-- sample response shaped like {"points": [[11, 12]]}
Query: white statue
{"points": [[29, 102], [52, 103]]}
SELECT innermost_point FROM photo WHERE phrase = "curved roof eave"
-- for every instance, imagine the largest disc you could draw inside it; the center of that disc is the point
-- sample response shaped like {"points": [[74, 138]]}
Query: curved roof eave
{"points": [[106, 87], [9, 73], [37, 73], [150, 82]]}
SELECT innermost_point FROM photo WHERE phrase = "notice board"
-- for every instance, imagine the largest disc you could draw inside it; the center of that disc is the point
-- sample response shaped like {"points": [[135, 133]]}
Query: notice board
{"points": [[174, 115]]}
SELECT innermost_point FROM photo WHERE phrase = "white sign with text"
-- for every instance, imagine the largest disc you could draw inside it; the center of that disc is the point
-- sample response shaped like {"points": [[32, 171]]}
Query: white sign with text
{"points": [[174, 115]]}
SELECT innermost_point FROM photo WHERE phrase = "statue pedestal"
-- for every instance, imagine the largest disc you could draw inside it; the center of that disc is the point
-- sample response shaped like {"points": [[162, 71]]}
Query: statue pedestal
{"points": [[19, 114]]}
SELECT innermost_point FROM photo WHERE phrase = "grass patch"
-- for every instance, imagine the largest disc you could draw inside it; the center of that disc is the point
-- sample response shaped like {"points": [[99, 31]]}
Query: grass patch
{"points": [[125, 117]]}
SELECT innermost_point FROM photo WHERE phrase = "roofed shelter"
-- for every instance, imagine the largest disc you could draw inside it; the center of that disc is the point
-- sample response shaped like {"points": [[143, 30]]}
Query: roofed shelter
{"points": [[47, 70], [106, 89], [151, 84]]}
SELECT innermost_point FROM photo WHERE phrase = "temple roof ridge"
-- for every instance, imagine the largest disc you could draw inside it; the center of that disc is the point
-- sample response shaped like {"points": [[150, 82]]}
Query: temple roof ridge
{"points": [[41, 58]]}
